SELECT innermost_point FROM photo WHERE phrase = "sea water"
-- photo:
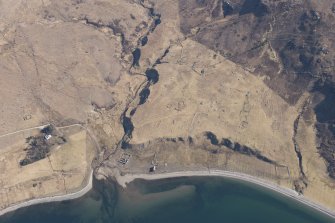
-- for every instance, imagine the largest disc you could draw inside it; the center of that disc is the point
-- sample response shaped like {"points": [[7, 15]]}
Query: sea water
{"points": [[191, 199]]}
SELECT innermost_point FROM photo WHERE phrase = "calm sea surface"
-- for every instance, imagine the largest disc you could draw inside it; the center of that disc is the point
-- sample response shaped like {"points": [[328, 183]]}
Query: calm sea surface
{"points": [[194, 199]]}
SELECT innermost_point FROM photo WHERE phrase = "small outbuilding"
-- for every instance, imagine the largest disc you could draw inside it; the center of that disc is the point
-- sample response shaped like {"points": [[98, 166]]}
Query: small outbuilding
{"points": [[47, 137], [152, 169]]}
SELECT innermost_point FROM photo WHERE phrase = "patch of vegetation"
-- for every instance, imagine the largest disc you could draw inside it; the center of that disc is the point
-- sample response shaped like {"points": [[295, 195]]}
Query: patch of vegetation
{"points": [[40, 146]]}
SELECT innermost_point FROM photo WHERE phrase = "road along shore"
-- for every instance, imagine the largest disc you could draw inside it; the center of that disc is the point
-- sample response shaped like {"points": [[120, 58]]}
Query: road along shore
{"points": [[55, 198], [124, 180]]}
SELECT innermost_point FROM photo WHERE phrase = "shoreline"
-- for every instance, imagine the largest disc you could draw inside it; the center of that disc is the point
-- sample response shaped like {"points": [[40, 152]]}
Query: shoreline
{"points": [[50, 199], [124, 180]]}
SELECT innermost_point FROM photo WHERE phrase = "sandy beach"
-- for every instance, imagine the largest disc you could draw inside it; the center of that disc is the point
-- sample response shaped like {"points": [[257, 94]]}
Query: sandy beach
{"points": [[56, 198], [123, 180]]}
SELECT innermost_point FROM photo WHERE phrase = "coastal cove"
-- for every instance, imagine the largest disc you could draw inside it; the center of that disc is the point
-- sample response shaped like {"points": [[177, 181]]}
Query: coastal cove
{"points": [[149, 111], [178, 199]]}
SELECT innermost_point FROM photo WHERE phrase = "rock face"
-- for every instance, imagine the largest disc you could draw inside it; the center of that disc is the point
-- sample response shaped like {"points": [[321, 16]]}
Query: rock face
{"points": [[240, 85]]}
